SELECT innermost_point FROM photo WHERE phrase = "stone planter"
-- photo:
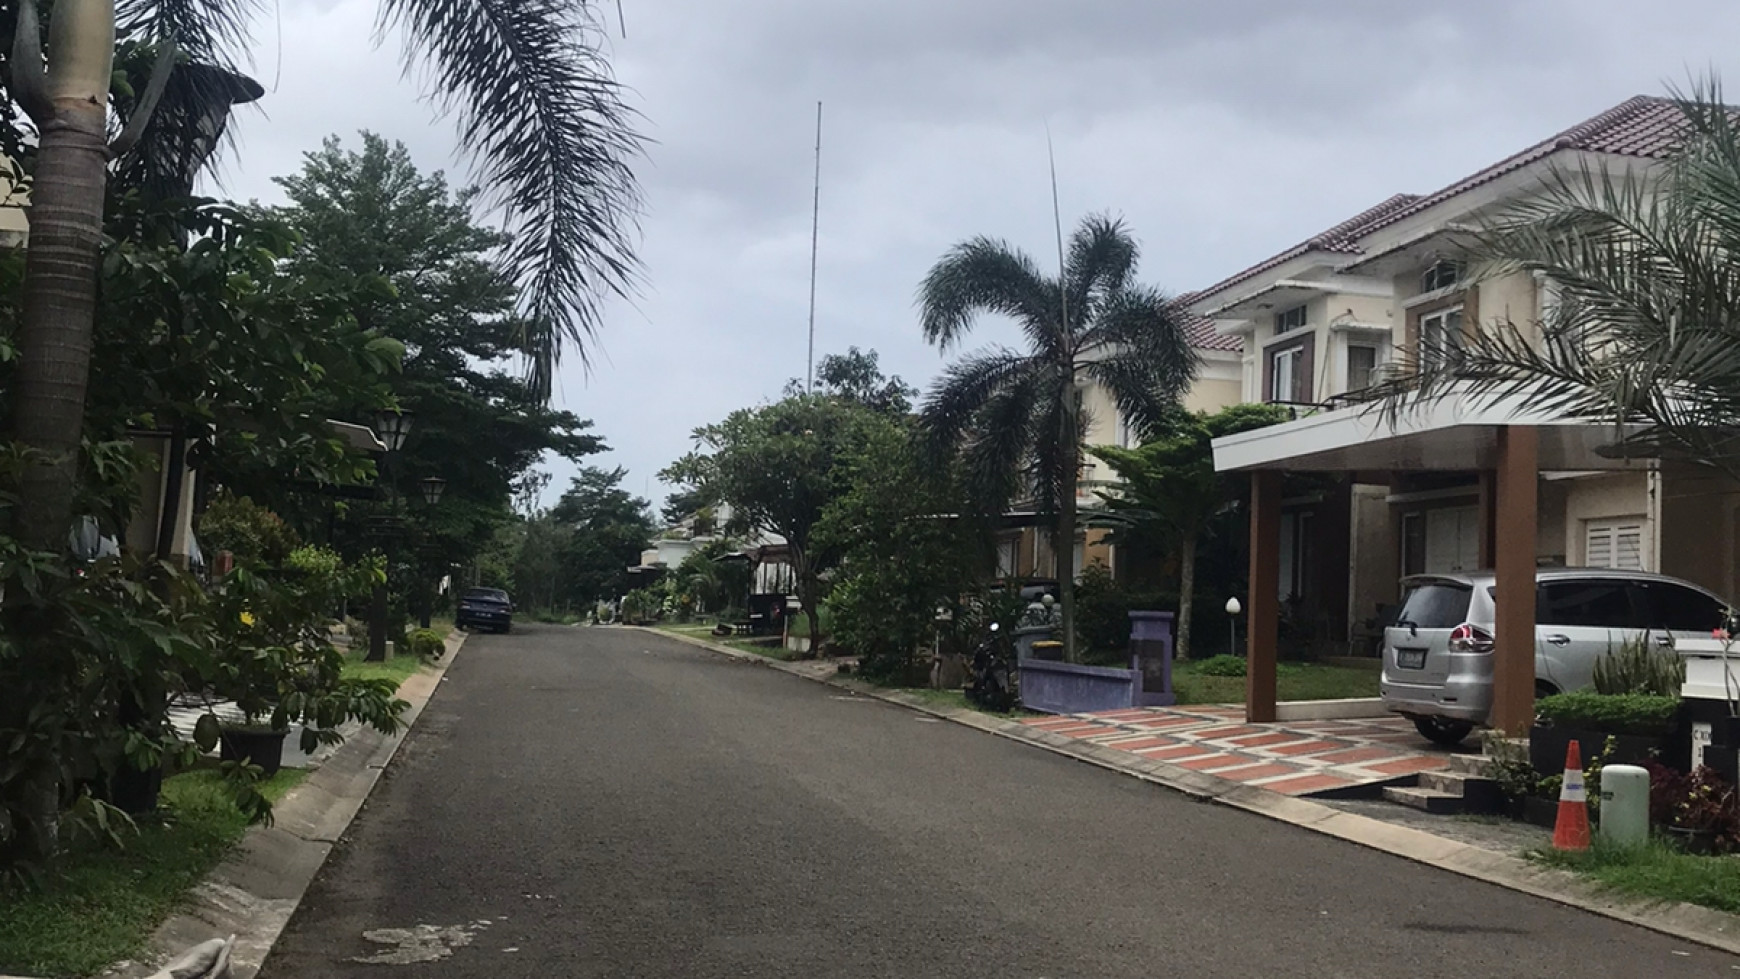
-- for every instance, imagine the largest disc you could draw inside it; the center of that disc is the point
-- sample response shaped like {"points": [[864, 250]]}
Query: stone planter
{"points": [[1547, 747], [1071, 688]]}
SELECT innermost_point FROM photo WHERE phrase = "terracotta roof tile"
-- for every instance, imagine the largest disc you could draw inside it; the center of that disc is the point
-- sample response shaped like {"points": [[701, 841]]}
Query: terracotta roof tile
{"points": [[1643, 126], [1201, 330], [1340, 238]]}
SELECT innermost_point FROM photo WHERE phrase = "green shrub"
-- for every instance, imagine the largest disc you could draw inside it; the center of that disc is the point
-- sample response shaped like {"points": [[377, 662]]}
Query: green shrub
{"points": [[426, 643], [1641, 714], [1640, 666], [1103, 607], [1222, 665]]}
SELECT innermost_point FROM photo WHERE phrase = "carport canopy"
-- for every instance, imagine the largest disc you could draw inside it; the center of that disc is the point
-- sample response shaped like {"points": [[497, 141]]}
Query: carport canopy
{"points": [[1507, 444]]}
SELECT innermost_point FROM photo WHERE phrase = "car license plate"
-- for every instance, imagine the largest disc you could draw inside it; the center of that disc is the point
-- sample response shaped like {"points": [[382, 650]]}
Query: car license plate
{"points": [[1411, 659]]}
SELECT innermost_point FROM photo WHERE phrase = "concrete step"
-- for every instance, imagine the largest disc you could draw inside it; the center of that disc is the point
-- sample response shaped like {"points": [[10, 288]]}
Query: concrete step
{"points": [[1425, 800], [1469, 764], [1478, 794]]}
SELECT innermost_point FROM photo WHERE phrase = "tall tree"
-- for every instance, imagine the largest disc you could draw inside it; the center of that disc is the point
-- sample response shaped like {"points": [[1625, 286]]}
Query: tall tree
{"points": [[1014, 418], [1643, 330], [603, 529], [421, 270], [779, 467], [856, 376], [529, 87], [1169, 485]]}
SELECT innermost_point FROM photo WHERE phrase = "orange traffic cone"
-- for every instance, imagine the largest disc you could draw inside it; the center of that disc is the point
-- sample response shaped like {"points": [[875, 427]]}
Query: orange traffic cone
{"points": [[1571, 831]]}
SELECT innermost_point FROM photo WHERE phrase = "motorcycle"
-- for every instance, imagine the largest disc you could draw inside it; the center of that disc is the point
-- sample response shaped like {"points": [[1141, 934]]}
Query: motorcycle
{"points": [[990, 679]]}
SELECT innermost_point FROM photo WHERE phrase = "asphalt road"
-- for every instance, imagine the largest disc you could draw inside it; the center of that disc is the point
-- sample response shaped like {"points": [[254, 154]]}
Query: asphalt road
{"points": [[601, 802]]}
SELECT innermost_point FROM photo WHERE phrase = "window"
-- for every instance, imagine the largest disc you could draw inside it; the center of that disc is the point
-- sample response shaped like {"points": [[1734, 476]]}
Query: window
{"points": [[1614, 544], [1361, 365], [1289, 319], [1286, 375], [1595, 602], [1438, 605], [1441, 276], [1008, 555], [1440, 335], [1681, 609]]}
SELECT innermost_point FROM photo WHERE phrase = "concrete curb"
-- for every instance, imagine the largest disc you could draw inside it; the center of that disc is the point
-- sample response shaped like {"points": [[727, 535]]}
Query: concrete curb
{"points": [[254, 892], [1685, 921]]}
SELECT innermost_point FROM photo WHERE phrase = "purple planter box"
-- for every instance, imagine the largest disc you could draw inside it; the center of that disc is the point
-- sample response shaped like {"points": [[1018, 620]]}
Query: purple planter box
{"points": [[1070, 688]]}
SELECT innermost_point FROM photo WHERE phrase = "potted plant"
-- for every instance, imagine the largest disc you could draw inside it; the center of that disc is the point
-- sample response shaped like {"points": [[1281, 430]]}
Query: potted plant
{"points": [[1704, 818]]}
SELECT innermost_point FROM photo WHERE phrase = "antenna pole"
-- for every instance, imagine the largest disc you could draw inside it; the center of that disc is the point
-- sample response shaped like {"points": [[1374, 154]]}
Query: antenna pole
{"points": [[815, 227]]}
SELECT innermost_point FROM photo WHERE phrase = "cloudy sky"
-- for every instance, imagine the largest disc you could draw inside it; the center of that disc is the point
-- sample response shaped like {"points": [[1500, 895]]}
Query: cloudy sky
{"points": [[1222, 131]]}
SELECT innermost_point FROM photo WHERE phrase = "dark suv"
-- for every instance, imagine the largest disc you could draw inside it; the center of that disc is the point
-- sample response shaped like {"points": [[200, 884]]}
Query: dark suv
{"points": [[485, 608]]}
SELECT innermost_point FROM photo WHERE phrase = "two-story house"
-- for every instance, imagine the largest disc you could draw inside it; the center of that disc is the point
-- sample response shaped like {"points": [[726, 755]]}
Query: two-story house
{"points": [[1389, 289]]}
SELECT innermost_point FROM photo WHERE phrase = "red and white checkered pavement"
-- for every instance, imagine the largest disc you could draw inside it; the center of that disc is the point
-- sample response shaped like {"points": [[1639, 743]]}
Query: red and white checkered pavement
{"points": [[1297, 758]]}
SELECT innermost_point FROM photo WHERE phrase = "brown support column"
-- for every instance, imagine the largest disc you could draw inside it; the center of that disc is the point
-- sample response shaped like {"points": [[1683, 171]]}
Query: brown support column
{"points": [[1488, 518], [1513, 665], [1262, 613]]}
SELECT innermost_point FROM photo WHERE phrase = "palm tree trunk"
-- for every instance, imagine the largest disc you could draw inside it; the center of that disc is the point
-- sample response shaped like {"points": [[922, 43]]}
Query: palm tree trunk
{"points": [[1063, 547], [54, 348], [1186, 591], [60, 274]]}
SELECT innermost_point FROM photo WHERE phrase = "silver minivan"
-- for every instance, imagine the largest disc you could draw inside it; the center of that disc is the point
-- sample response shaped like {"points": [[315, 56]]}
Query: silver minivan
{"points": [[1438, 653]]}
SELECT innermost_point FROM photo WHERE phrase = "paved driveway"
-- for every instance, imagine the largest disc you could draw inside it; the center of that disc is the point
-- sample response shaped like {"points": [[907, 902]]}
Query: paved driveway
{"points": [[596, 802]]}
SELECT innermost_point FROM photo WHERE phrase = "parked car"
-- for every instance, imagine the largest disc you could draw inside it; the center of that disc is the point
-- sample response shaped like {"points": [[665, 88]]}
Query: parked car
{"points": [[485, 608], [1437, 661]]}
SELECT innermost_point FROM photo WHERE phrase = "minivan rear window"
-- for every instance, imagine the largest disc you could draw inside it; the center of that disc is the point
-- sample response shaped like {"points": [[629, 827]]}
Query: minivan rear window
{"points": [[1435, 605]]}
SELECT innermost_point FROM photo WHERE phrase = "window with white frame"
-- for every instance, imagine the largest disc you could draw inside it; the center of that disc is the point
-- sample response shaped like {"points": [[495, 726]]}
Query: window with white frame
{"points": [[1362, 360], [1614, 543], [1285, 368], [1440, 335], [1441, 276], [1288, 320]]}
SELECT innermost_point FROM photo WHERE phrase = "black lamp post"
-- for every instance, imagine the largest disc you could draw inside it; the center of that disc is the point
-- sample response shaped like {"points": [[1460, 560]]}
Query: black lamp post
{"points": [[433, 487], [392, 428], [185, 133]]}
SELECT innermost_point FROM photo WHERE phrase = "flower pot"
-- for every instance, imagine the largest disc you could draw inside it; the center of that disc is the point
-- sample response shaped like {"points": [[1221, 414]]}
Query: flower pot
{"points": [[135, 792], [1701, 842], [260, 747]]}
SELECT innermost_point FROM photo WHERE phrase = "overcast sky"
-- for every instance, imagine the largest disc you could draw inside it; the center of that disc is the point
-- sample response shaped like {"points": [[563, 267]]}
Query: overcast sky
{"points": [[1222, 131]]}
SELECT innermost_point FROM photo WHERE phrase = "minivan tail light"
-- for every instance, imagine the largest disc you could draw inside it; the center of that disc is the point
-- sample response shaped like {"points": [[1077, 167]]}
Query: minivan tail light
{"points": [[1470, 638]]}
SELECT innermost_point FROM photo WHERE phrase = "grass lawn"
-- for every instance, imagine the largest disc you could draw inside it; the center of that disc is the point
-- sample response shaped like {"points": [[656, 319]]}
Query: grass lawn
{"points": [[397, 669], [1294, 681], [101, 905], [1657, 871], [952, 698], [702, 630]]}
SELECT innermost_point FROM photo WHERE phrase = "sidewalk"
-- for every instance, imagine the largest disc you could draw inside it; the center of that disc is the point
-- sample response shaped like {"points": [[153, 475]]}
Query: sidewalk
{"points": [[253, 893], [1477, 859], [1295, 758]]}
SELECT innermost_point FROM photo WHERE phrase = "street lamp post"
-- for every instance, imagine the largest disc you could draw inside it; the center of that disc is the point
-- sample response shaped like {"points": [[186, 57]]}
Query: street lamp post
{"points": [[1233, 608], [432, 487], [392, 427]]}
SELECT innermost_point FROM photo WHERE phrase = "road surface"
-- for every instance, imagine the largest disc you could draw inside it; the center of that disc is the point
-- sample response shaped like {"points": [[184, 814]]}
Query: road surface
{"points": [[604, 802]]}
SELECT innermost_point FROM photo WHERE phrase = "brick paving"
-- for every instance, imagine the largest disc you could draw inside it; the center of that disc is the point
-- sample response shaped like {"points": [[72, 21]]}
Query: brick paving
{"points": [[1299, 758]]}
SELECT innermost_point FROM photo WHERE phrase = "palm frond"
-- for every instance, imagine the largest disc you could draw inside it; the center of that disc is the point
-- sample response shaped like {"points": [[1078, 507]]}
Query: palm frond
{"points": [[538, 108], [960, 394], [1144, 356], [1101, 258], [985, 275], [209, 32], [997, 447]]}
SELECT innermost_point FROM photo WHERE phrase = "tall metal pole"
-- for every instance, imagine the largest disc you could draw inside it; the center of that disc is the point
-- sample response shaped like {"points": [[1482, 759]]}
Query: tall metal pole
{"points": [[815, 227]]}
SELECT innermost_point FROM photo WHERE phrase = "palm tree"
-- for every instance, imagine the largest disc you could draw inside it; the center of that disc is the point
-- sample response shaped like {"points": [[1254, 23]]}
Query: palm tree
{"points": [[1644, 326], [1015, 419], [534, 102]]}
